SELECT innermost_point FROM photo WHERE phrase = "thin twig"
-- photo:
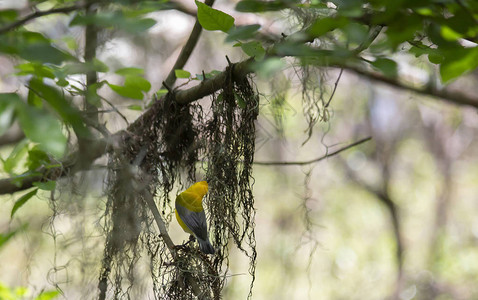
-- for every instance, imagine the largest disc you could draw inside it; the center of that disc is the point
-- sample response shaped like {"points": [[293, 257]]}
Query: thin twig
{"points": [[38, 14], [113, 109], [335, 88], [301, 163]]}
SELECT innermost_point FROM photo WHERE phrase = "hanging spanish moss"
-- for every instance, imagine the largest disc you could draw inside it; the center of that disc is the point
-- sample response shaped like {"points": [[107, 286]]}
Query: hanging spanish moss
{"points": [[231, 153], [163, 158]]}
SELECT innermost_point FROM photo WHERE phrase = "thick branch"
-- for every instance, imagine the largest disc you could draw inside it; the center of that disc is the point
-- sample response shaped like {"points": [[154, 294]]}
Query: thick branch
{"points": [[38, 14], [301, 163]]}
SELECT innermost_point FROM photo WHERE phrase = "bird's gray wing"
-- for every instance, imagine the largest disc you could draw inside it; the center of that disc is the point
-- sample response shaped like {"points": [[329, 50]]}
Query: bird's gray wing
{"points": [[195, 221]]}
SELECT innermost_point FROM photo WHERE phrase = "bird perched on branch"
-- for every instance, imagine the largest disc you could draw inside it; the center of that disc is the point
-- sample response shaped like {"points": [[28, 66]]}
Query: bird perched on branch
{"points": [[190, 214]]}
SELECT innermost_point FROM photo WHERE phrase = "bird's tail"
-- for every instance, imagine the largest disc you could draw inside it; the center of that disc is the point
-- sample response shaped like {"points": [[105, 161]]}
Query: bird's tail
{"points": [[206, 246]]}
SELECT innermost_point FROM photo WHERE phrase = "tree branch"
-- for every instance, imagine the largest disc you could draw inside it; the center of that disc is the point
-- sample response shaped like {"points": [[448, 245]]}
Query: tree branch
{"points": [[187, 50], [452, 97], [211, 85], [384, 197], [70, 166], [215, 83], [91, 43], [38, 14], [180, 7], [301, 163]]}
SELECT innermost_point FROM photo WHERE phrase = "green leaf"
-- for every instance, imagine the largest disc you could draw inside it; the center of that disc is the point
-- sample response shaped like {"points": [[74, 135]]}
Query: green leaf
{"points": [[135, 107], [22, 200], [435, 58], [350, 8], [130, 71], [136, 82], [182, 73], [17, 154], [34, 100], [254, 49], [43, 128], [324, 25], [61, 82], [449, 34], [37, 158], [424, 11], [36, 69], [81, 68], [257, 6], [127, 92], [387, 66], [38, 125], [213, 19], [70, 42], [242, 32], [268, 67], [356, 33], [69, 114], [114, 19], [161, 92], [48, 295], [6, 236], [92, 94], [133, 86], [46, 186], [8, 15], [458, 62], [138, 25], [43, 53], [99, 66], [397, 33]]}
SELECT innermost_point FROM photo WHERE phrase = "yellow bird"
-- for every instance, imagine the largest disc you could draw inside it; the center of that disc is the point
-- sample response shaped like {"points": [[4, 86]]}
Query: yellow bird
{"points": [[190, 214]]}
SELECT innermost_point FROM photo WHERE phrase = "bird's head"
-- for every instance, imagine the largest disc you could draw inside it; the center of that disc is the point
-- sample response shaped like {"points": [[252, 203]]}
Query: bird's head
{"points": [[199, 188]]}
